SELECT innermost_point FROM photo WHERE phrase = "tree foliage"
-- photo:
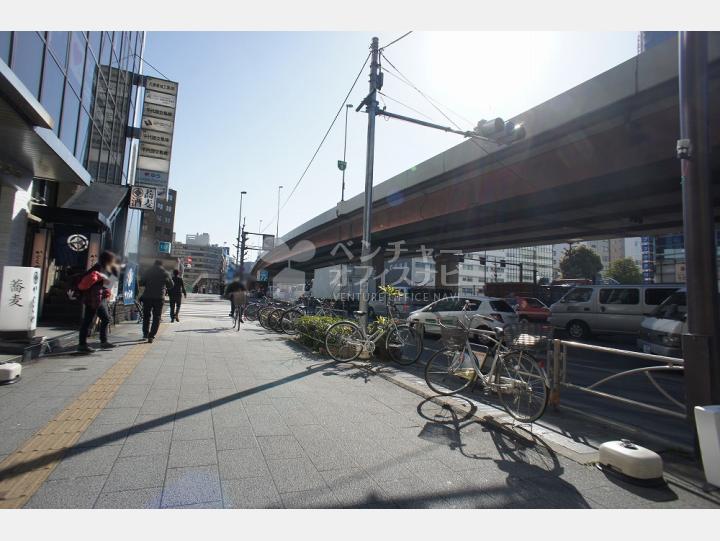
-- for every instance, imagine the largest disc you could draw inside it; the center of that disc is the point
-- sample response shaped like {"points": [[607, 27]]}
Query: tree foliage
{"points": [[625, 271], [580, 262]]}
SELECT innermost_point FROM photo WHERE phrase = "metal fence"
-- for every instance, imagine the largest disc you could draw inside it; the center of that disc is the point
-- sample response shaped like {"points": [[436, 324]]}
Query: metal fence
{"points": [[557, 355]]}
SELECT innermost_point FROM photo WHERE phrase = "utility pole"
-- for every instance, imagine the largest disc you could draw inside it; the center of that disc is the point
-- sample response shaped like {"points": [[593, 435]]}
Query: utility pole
{"points": [[237, 250], [277, 223], [370, 103], [343, 164], [700, 342]]}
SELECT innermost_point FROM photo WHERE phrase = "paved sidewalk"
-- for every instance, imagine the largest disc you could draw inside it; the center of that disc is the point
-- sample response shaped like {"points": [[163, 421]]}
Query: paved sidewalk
{"points": [[211, 417]]}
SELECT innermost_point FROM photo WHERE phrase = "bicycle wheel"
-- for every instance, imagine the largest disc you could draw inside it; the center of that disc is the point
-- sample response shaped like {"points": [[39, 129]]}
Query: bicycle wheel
{"points": [[522, 386], [251, 311], [344, 341], [273, 319], [263, 317], [404, 345], [288, 319], [446, 374]]}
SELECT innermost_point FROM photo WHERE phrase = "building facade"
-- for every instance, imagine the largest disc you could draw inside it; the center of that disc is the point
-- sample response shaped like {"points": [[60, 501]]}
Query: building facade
{"points": [[204, 266], [67, 101], [157, 232]]}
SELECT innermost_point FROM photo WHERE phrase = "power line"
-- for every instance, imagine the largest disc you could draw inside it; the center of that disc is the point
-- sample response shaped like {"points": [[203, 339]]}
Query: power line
{"points": [[153, 67], [396, 40], [404, 105], [317, 150]]}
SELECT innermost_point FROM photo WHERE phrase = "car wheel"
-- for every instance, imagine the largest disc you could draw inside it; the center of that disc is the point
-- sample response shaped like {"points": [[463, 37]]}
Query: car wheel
{"points": [[578, 330]]}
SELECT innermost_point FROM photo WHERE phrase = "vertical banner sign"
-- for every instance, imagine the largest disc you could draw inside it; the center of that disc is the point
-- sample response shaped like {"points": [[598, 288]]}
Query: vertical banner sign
{"points": [[19, 299], [156, 136], [130, 284]]}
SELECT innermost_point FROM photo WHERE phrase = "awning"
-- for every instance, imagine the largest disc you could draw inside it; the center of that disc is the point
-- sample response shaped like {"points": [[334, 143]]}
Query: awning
{"points": [[27, 142], [106, 199]]}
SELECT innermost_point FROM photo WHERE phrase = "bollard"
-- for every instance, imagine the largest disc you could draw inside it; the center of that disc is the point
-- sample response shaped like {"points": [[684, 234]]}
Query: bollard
{"points": [[554, 398]]}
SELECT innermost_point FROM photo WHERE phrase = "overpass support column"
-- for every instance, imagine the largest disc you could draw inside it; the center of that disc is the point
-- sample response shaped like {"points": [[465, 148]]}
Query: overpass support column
{"points": [[446, 271], [700, 343]]}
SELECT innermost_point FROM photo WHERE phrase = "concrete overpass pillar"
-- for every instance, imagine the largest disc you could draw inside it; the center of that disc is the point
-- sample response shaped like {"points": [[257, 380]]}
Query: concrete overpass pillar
{"points": [[446, 271]]}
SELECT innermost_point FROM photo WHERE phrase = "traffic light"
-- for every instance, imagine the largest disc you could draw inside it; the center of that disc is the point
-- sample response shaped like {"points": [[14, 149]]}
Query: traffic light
{"points": [[189, 262], [500, 131], [243, 244], [482, 260]]}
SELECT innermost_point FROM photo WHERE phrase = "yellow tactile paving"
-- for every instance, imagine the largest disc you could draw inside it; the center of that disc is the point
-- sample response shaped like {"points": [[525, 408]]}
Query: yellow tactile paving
{"points": [[24, 471]]}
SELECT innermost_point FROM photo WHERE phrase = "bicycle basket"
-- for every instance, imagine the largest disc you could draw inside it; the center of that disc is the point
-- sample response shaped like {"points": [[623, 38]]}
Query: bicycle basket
{"points": [[527, 335], [454, 337]]}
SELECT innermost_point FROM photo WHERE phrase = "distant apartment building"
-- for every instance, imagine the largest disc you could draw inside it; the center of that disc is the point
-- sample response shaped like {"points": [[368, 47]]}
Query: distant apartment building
{"points": [[198, 239], [204, 265]]}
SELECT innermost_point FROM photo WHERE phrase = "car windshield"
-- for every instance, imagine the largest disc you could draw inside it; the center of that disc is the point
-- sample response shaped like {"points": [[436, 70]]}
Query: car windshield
{"points": [[674, 307], [501, 306], [534, 303]]}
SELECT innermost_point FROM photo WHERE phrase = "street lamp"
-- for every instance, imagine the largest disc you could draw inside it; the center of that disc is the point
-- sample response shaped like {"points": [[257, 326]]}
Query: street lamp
{"points": [[237, 252], [277, 223], [343, 164]]}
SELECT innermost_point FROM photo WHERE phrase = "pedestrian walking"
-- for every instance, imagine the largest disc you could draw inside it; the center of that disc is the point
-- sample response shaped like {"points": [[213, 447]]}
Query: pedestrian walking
{"points": [[176, 293], [94, 290], [231, 288], [239, 299], [155, 281]]}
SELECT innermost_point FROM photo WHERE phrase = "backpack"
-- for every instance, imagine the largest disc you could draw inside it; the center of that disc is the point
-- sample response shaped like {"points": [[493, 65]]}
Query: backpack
{"points": [[73, 291]]}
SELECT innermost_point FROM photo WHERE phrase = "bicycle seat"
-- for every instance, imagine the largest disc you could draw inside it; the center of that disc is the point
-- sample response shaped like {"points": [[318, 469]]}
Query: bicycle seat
{"points": [[360, 313]]}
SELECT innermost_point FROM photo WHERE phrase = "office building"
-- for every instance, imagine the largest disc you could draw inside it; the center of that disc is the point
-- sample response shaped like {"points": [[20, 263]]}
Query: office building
{"points": [[68, 103], [204, 265], [156, 236]]}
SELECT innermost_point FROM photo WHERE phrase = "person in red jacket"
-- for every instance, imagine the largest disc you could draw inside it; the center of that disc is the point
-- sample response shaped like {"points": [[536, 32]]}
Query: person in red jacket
{"points": [[94, 287]]}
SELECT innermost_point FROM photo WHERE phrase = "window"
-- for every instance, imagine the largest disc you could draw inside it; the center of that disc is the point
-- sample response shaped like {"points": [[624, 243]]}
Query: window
{"points": [[473, 304], [105, 51], [160, 206], [579, 294], [501, 306], [69, 124], [58, 44], [654, 296], [5, 41], [534, 303], [451, 304], [83, 131], [27, 57], [88, 82], [77, 60], [53, 84], [619, 296]]}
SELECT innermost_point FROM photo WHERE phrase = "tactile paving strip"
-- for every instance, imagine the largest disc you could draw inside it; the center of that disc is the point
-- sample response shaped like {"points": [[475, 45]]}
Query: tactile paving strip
{"points": [[24, 471]]}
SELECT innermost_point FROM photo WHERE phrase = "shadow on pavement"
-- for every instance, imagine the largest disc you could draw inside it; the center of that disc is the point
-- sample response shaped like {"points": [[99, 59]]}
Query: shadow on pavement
{"points": [[45, 460]]}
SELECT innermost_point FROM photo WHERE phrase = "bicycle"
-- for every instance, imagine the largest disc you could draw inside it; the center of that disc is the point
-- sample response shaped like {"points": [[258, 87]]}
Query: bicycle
{"points": [[514, 374], [345, 340], [238, 315], [291, 315]]}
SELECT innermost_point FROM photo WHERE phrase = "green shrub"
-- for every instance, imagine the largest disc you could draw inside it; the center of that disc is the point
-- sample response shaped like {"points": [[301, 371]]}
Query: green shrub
{"points": [[312, 330]]}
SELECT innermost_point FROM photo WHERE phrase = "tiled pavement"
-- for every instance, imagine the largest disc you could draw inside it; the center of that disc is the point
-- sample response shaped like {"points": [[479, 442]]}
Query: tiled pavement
{"points": [[217, 418]]}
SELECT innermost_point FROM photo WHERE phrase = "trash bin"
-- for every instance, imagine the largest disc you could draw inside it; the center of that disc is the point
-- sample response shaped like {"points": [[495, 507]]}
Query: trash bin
{"points": [[707, 420]]}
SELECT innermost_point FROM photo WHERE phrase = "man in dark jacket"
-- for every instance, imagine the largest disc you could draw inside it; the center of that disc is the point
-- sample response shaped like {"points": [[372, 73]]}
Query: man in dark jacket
{"points": [[94, 291], [176, 293], [155, 281]]}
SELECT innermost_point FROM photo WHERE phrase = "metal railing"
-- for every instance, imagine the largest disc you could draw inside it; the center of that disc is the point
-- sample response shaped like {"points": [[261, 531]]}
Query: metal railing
{"points": [[559, 376]]}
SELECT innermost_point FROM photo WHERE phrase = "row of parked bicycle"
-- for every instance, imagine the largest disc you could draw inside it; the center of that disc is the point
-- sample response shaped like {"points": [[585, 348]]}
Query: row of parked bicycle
{"points": [[500, 360]]}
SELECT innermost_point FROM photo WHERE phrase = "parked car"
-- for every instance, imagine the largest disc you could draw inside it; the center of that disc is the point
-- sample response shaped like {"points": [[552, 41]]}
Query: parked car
{"points": [[498, 313], [412, 299], [585, 310], [661, 332], [529, 308]]}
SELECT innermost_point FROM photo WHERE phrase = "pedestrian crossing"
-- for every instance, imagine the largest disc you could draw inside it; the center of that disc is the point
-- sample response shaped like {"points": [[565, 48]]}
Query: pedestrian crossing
{"points": [[199, 306]]}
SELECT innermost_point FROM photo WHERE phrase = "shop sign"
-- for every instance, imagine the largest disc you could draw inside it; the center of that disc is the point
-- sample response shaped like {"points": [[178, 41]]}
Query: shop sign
{"points": [[19, 299], [143, 197]]}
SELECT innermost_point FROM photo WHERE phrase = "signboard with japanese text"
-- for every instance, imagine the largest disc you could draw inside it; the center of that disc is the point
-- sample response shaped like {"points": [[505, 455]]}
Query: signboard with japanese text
{"points": [[164, 247], [19, 299], [156, 134], [268, 242], [157, 124], [143, 198]]}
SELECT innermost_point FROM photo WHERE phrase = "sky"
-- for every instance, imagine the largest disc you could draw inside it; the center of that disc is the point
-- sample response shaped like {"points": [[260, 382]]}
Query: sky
{"points": [[253, 107]]}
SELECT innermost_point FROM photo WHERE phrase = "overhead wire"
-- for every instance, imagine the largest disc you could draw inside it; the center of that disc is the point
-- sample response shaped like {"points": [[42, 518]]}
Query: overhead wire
{"points": [[406, 34], [322, 141]]}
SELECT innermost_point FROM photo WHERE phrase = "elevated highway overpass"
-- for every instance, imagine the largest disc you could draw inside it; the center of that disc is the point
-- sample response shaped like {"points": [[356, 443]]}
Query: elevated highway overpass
{"points": [[599, 161]]}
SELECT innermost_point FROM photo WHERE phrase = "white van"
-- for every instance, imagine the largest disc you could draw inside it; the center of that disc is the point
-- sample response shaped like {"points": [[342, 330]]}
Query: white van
{"points": [[585, 310], [661, 332]]}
